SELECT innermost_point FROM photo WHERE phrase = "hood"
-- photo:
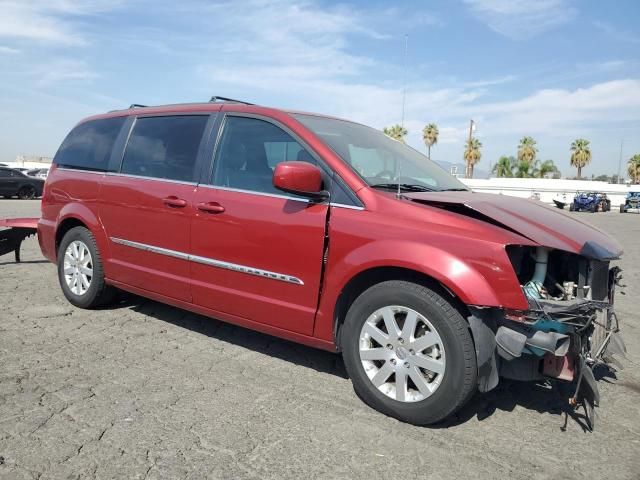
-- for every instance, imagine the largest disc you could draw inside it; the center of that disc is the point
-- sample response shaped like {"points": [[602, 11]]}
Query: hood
{"points": [[539, 223]]}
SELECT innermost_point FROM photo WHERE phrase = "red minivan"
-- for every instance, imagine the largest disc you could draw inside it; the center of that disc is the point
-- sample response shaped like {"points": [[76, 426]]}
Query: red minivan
{"points": [[328, 233]]}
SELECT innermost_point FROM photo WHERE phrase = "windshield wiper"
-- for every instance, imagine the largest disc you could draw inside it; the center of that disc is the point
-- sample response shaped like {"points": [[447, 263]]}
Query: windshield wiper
{"points": [[454, 190], [407, 187]]}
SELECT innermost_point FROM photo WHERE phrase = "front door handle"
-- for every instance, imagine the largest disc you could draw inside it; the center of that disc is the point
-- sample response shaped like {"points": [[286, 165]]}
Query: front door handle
{"points": [[174, 201], [211, 207]]}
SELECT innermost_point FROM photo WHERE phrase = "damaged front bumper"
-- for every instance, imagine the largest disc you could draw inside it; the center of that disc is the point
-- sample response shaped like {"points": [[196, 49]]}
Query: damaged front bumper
{"points": [[557, 339]]}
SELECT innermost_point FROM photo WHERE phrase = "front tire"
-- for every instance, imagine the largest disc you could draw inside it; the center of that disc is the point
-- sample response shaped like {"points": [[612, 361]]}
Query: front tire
{"points": [[26, 193], [409, 353], [80, 271]]}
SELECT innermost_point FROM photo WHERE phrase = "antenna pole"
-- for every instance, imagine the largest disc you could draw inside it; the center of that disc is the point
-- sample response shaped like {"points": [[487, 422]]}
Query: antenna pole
{"points": [[404, 76], [620, 160]]}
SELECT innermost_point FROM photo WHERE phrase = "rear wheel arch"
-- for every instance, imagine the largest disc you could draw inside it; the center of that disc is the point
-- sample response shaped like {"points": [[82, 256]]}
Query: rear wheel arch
{"points": [[80, 214], [66, 225], [372, 276]]}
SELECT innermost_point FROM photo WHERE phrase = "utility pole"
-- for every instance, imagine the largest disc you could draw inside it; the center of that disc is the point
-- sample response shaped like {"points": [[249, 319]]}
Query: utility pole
{"points": [[620, 160], [468, 164], [404, 76]]}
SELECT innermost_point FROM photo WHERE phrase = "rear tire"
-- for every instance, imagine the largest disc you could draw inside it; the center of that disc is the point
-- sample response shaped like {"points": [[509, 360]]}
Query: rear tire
{"points": [[622, 210], [26, 193], [80, 271], [422, 372], [572, 207]]}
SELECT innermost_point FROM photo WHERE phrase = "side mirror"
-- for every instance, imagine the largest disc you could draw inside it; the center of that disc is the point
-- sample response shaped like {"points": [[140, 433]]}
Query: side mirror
{"points": [[300, 178]]}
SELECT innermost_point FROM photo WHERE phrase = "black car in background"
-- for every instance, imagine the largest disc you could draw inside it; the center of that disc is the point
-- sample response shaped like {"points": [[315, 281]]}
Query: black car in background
{"points": [[15, 183]]}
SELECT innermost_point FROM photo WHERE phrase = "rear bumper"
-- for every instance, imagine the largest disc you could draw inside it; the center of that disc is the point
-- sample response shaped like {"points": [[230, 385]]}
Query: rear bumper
{"points": [[47, 239]]}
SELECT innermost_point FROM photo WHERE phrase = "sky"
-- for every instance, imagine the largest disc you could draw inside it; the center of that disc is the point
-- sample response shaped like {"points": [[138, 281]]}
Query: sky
{"points": [[556, 70]]}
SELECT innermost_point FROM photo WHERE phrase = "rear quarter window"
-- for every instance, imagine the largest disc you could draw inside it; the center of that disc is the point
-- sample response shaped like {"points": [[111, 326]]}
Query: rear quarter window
{"points": [[88, 146]]}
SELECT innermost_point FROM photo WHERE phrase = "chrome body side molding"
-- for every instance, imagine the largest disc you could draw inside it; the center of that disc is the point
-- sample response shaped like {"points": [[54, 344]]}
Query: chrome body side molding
{"points": [[210, 261]]}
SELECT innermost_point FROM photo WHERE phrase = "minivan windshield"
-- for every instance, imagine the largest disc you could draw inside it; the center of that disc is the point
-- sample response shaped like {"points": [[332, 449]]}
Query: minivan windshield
{"points": [[382, 162]]}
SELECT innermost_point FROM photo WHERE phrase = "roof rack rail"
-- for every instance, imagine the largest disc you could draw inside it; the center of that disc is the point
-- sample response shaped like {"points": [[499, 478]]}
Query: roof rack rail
{"points": [[215, 99], [137, 105]]}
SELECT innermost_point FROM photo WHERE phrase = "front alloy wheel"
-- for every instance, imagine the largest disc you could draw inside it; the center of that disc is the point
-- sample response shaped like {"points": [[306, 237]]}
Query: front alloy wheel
{"points": [[402, 354], [409, 352]]}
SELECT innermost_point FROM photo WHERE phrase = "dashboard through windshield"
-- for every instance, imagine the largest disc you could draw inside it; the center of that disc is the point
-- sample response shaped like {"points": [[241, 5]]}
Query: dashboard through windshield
{"points": [[382, 162]]}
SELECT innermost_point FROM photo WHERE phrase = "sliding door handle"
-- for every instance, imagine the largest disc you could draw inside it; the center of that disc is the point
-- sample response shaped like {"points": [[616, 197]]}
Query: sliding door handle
{"points": [[174, 201], [211, 207]]}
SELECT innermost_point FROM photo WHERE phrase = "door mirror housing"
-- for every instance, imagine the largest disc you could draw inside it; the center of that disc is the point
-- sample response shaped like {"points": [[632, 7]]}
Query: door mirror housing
{"points": [[300, 178]]}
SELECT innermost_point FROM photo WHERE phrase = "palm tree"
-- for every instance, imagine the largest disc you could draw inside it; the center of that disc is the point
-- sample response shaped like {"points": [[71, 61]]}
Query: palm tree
{"points": [[541, 170], [633, 167], [524, 168], [430, 136], [472, 155], [580, 154], [527, 149], [397, 132], [504, 167]]}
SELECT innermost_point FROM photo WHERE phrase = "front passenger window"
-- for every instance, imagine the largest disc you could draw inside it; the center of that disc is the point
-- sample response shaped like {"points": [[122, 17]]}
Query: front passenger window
{"points": [[249, 151]]}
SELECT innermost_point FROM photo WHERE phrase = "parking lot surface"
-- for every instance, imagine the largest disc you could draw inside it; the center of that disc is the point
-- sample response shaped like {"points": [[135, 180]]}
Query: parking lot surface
{"points": [[144, 390]]}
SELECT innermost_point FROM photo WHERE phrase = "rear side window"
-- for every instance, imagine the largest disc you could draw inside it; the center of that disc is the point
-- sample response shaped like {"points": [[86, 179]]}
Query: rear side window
{"points": [[164, 147], [89, 145]]}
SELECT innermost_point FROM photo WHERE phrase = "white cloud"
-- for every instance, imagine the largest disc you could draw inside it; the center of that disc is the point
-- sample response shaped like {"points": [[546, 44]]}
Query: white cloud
{"points": [[8, 50], [49, 21], [616, 33], [491, 81], [62, 70], [558, 112], [521, 19]]}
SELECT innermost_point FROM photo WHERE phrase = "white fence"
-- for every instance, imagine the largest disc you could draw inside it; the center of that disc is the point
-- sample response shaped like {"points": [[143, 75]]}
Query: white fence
{"points": [[548, 189]]}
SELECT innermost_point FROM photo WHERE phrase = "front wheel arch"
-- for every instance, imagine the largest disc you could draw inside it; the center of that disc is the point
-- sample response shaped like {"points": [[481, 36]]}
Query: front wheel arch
{"points": [[370, 277]]}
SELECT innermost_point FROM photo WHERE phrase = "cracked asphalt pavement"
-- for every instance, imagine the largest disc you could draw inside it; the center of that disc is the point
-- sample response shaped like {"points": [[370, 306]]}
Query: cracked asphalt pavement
{"points": [[144, 390]]}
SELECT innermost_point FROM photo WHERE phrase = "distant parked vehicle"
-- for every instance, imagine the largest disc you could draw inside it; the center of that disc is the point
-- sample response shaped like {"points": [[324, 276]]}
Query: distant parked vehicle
{"points": [[560, 200], [632, 202], [15, 183], [38, 172], [590, 202]]}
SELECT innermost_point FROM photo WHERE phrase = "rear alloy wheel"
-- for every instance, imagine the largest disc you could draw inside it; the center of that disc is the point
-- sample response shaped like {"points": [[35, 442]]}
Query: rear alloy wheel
{"points": [[80, 270], [26, 193], [408, 352], [78, 267]]}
